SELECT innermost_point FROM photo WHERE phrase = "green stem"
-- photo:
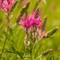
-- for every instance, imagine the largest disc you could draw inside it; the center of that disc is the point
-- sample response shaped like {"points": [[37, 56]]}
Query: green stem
{"points": [[39, 57], [31, 56], [31, 53], [3, 48]]}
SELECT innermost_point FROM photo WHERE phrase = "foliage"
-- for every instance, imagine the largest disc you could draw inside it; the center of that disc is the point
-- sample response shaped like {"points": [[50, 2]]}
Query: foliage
{"points": [[12, 35]]}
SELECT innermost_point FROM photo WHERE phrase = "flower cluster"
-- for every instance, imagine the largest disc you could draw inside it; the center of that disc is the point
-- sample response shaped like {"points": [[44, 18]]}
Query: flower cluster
{"points": [[31, 20], [6, 4]]}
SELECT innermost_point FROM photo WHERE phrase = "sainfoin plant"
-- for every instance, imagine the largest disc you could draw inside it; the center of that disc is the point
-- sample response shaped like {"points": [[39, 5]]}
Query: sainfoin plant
{"points": [[23, 40]]}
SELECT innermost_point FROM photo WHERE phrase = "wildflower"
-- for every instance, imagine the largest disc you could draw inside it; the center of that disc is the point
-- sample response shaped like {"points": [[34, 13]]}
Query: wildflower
{"points": [[6, 4], [30, 21]]}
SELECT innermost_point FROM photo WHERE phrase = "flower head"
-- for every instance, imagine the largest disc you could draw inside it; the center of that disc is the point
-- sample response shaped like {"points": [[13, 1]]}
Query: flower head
{"points": [[6, 4], [30, 21]]}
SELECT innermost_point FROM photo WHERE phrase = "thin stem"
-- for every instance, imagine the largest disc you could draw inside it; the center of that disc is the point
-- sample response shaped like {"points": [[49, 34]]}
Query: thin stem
{"points": [[39, 57], [3, 48], [31, 55]]}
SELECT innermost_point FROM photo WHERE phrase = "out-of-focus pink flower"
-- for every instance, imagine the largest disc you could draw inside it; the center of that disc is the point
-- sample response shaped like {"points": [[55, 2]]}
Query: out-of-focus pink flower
{"points": [[41, 31], [0, 2], [6, 4], [30, 21], [10, 1], [24, 2]]}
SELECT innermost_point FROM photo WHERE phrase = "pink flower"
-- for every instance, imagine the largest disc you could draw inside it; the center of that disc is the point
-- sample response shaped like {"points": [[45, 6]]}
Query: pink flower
{"points": [[6, 4], [0, 2], [24, 2], [30, 21], [41, 31], [10, 1]]}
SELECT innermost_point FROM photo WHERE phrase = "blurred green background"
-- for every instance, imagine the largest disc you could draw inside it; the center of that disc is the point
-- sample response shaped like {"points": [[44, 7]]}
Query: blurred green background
{"points": [[16, 35]]}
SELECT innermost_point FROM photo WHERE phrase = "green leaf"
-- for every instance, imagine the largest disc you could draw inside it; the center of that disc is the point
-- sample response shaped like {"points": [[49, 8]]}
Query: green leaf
{"points": [[19, 54]]}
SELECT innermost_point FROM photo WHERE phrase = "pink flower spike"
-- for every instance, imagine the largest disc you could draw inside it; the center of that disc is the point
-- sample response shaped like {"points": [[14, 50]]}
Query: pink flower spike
{"points": [[6, 4], [30, 21], [6, 8]]}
